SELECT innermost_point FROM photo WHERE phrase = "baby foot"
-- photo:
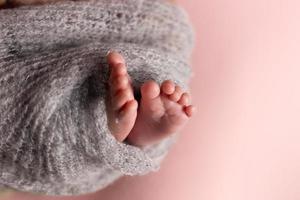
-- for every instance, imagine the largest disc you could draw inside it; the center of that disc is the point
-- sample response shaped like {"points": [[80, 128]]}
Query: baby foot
{"points": [[121, 105], [162, 111]]}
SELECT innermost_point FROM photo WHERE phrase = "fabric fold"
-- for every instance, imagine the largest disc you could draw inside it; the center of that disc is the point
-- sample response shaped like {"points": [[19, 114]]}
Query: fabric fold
{"points": [[54, 137]]}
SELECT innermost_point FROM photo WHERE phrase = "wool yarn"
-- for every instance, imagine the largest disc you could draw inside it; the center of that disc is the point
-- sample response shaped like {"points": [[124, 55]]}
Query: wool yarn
{"points": [[54, 137]]}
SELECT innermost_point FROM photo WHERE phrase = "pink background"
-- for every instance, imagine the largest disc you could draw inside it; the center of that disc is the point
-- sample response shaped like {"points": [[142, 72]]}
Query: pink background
{"points": [[244, 142]]}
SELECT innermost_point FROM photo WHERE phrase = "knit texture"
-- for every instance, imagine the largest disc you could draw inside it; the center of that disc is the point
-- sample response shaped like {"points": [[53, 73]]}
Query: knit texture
{"points": [[54, 137]]}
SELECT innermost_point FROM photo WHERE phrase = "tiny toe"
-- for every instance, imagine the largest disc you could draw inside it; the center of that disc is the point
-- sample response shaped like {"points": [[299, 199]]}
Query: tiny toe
{"points": [[116, 72], [190, 110], [176, 94], [118, 83], [128, 108], [125, 116], [150, 90], [114, 58], [168, 87], [184, 99], [121, 97], [118, 69]]}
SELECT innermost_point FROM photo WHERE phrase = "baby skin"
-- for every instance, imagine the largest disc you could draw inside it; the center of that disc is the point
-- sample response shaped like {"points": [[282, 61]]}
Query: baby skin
{"points": [[162, 110]]}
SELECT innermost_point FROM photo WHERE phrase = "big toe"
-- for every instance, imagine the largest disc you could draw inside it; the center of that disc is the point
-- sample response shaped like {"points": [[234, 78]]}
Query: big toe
{"points": [[150, 90]]}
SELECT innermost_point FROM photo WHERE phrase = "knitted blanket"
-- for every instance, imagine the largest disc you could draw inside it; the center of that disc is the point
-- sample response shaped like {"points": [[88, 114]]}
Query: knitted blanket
{"points": [[54, 137]]}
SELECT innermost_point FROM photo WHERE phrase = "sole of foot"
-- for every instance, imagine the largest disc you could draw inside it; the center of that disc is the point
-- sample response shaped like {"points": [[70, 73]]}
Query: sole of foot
{"points": [[163, 110]]}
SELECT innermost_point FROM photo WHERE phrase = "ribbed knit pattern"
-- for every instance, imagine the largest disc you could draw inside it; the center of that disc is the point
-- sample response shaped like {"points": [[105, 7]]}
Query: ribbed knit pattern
{"points": [[54, 137]]}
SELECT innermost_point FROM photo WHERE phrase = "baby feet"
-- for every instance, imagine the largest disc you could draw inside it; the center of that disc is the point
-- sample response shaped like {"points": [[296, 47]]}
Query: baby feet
{"points": [[121, 105], [162, 110]]}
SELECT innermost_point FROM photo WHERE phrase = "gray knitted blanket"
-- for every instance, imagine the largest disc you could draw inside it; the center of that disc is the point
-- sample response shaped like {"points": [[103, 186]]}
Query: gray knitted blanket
{"points": [[54, 137]]}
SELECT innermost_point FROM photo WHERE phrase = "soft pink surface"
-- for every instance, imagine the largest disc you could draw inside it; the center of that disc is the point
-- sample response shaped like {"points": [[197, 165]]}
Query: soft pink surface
{"points": [[244, 143]]}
